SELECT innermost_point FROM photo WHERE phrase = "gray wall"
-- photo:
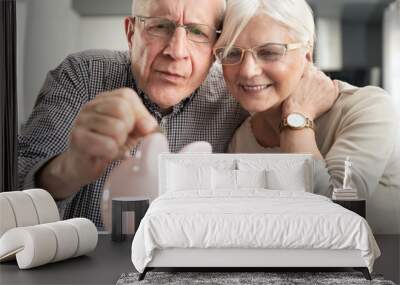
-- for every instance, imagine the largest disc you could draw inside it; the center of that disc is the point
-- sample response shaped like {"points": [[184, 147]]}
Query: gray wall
{"points": [[49, 30]]}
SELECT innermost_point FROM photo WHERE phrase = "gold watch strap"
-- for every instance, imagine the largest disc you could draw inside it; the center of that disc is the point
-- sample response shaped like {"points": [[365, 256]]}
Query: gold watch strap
{"points": [[284, 125]]}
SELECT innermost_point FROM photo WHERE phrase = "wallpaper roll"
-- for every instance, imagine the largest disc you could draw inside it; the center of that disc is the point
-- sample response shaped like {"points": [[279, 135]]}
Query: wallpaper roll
{"points": [[46, 208], [31, 232], [32, 246], [41, 244], [23, 207], [7, 217], [87, 235], [67, 239]]}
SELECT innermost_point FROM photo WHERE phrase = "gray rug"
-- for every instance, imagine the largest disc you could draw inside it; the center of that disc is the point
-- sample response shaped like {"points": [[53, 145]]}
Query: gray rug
{"points": [[243, 278]]}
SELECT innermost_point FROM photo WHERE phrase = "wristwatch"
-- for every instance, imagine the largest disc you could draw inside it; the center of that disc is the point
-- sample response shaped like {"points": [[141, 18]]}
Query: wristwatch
{"points": [[296, 121]]}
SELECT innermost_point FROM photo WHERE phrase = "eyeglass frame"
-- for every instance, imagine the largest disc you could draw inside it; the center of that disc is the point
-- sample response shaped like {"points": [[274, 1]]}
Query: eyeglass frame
{"points": [[185, 26], [288, 47]]}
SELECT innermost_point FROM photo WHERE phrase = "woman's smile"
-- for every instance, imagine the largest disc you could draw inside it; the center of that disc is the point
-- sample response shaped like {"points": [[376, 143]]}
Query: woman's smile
{"points": [[254, 88]]}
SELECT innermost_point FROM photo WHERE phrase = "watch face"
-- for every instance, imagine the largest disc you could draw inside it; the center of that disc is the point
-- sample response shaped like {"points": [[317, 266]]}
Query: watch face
{"points": [[296, 120]]}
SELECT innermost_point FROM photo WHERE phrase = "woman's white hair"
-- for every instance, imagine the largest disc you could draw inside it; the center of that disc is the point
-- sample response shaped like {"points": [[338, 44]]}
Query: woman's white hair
{"points": [[296, 15]]}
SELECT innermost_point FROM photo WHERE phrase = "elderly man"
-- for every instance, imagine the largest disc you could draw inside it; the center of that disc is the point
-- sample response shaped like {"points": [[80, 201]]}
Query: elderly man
{"points": [[96, 104]]}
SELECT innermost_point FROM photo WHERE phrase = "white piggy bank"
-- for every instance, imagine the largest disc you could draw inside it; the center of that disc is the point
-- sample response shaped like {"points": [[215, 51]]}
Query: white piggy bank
{"points": [[138, 176]]}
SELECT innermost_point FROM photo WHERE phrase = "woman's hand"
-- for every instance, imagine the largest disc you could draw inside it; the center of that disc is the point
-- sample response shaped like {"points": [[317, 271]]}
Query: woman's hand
{"points": [[315, 94]]}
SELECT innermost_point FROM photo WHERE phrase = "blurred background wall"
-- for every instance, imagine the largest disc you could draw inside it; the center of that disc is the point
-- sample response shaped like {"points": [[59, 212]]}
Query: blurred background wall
{"points": [[49, 30]]}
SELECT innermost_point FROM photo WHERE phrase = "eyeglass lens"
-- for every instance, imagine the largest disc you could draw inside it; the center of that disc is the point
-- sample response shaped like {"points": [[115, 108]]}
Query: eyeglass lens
{"points": [[165, 28], [268, 52]]}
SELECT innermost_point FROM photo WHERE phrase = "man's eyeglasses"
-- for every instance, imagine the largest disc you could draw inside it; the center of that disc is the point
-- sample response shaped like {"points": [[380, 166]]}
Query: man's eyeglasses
{"points": [[164, 28], [267, 52]]}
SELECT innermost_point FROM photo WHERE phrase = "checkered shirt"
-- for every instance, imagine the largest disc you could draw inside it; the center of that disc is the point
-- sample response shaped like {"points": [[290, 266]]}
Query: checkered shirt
{"points": [[209, 114]]}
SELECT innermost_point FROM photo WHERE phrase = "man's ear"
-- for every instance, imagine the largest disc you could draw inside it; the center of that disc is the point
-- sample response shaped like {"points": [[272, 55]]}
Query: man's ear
{"points": [[129, 29]]}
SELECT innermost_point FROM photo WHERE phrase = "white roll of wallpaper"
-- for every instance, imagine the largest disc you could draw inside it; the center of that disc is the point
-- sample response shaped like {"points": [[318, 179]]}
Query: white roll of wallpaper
{"points": [[45, 205], [7, 217], [32, 246], [67, 239], [23, 208], [31, 232], [40, 244], [87, 235]]}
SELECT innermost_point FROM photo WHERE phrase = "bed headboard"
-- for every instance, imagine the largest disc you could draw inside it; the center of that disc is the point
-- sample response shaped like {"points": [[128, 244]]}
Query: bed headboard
{"points": [[287, 169]]}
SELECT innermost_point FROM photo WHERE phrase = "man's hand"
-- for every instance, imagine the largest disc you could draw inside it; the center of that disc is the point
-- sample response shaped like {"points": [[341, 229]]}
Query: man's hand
{"points": [[105, 129], [315, 94]]}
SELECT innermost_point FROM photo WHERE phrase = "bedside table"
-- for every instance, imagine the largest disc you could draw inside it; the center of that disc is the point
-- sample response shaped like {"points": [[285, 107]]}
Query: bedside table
{"points": [[139, 205], [358, 206]]}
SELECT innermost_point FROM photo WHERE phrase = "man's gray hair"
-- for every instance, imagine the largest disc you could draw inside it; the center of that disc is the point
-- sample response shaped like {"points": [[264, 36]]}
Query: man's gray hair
{"points": [[296, 15], [139, 5]]}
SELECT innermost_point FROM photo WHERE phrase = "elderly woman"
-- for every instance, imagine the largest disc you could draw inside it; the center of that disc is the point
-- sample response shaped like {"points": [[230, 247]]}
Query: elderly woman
{"points": [[266, 53]]}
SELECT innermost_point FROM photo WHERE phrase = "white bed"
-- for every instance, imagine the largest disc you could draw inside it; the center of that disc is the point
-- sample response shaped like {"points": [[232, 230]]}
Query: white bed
{"points": [[217, 211]]}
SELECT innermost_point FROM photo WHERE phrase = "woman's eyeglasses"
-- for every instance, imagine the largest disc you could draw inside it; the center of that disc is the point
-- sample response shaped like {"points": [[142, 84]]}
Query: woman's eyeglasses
{"points": [[164, 28], [267, 52]]}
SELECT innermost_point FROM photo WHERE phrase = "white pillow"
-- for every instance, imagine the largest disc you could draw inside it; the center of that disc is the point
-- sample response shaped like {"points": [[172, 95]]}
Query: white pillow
{"points": [[251, 178], [183, 177], [293, 180], [281, 174], [224, 179]]}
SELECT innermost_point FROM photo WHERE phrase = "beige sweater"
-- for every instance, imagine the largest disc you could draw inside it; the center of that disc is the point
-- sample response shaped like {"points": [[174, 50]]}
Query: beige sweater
{"points": [[361, 124]]}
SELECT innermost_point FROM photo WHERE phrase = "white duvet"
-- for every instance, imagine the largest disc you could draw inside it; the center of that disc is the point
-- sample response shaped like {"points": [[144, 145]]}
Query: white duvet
{"points": [[251, 218]]}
